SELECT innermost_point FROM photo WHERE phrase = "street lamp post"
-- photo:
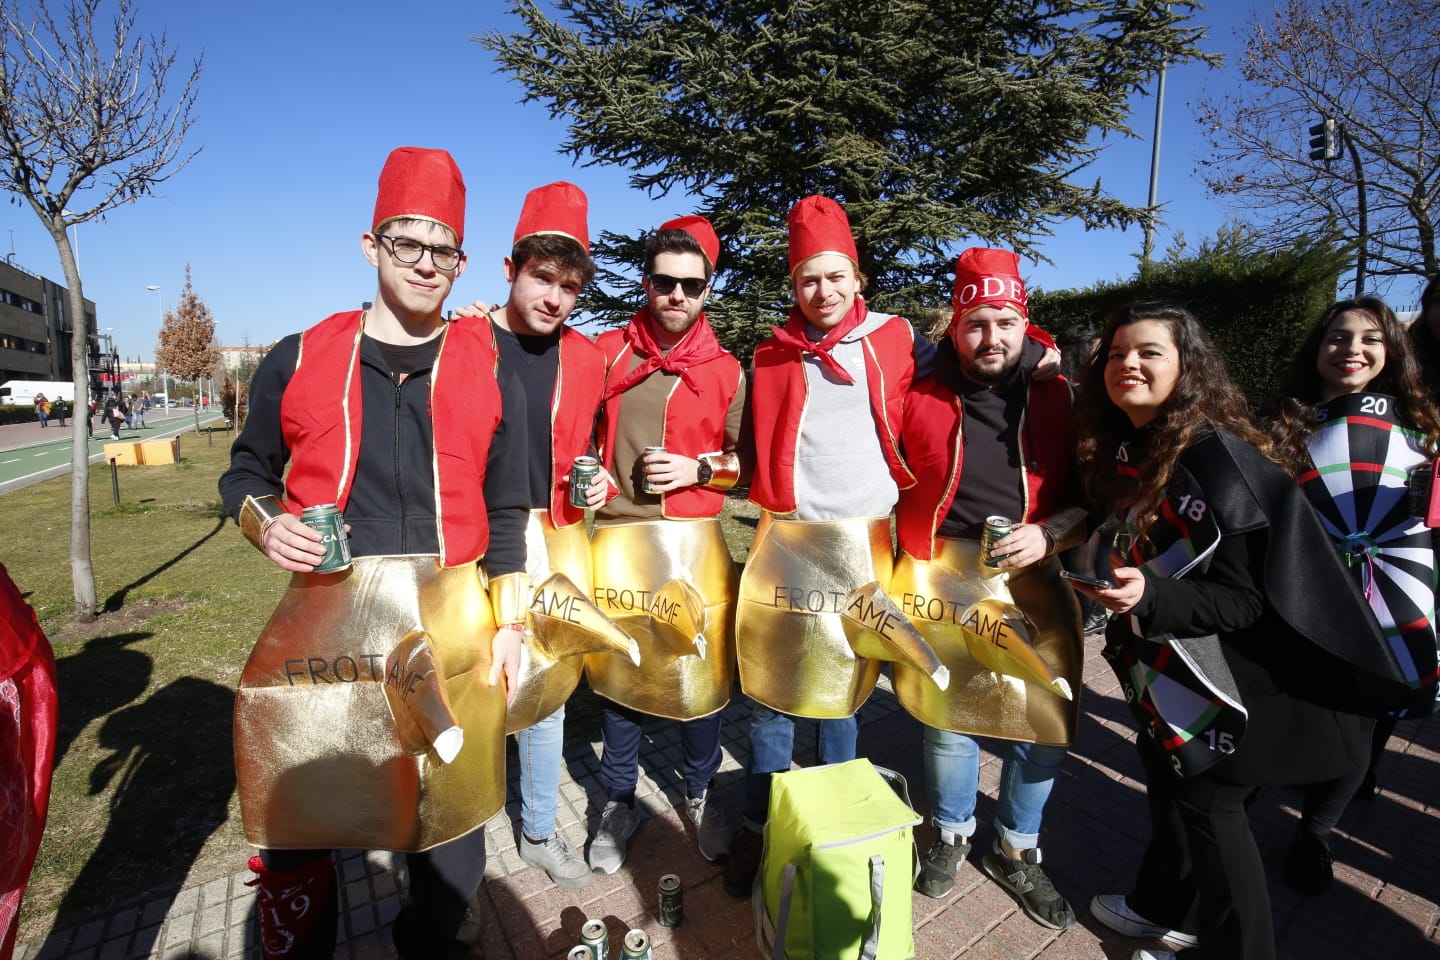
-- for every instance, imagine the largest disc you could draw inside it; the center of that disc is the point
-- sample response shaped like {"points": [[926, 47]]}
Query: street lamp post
{"points": [[164, 374]]}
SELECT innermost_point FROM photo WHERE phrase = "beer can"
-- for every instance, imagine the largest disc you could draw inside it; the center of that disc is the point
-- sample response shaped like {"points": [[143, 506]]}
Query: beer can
{"points": [[646, 487], [328, 519], [636, 946], [672, 901], [996, 528], [579, 952], [582, 471], [595, 937]]}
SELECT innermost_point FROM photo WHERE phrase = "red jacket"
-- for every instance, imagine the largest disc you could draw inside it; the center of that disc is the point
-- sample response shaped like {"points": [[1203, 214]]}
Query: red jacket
{"points": [[320, 417], [579, 385], [778, 395], [694, 421], [931, 436]]}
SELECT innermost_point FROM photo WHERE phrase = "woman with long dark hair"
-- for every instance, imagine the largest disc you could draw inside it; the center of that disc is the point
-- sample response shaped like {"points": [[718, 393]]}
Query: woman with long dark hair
{"points": [[1355, 425], [1240, 632]]}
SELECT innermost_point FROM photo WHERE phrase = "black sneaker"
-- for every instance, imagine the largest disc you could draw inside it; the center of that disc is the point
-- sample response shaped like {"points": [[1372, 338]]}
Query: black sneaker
{"points": [[743, 861], [1308, 866], [940, 865], [1027, 883]]}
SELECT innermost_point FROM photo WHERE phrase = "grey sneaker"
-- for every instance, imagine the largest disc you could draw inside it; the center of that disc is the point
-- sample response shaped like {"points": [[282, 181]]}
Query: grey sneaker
{"points": [[555, 857], [1027, 882], [617, 825], [712, 830], [940, 865]]}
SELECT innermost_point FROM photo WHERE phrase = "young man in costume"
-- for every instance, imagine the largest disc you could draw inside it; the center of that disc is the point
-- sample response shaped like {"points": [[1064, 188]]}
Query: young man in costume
{"points": [[985, 440], [669, 433], [827, 394], [563, 375], [384, 683]]}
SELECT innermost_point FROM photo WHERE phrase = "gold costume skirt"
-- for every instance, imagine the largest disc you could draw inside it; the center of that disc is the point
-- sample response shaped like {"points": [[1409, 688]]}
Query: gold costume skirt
{"points": [[351, 700], [814, 623], [562, 625], [1012, 643], [670, 584]]}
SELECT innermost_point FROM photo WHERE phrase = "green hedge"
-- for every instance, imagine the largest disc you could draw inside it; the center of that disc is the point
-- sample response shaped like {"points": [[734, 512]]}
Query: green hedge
{"points": [[1257, 304]]}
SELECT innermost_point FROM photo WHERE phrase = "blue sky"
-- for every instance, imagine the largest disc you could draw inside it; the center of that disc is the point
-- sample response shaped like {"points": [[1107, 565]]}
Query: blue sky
{"points": [[300, 102]]}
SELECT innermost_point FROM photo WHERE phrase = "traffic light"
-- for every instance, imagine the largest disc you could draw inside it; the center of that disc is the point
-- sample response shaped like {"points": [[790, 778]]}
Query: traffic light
{"points": [[1325, 139]]}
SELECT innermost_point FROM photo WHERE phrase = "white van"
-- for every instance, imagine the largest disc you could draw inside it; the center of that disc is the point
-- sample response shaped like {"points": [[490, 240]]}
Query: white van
{"points": [[23, 392]]}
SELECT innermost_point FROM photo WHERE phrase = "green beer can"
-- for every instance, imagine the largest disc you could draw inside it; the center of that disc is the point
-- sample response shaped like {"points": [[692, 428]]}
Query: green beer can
{"points": [[635, 946], [328, 519], [595, 937]]}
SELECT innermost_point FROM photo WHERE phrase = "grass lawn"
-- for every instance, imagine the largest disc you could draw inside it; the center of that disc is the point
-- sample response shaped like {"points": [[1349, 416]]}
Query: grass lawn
{"points": [[144, 788]]}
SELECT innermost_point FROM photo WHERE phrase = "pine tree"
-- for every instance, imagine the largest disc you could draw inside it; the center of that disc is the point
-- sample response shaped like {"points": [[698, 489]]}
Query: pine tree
{"points": [[937, 123]]}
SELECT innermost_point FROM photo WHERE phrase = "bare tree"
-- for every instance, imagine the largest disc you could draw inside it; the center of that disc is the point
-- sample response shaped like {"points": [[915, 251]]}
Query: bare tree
{"points": [[187, 340], [85, 121], [1372, 66]]}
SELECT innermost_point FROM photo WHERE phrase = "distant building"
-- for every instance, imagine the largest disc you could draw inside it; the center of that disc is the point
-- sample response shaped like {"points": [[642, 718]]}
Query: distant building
{"points": [[36, 331], [233, 360]]}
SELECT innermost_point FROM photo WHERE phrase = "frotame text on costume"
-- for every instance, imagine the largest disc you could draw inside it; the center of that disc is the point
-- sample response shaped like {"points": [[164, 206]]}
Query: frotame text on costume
{"points": [[551, 603], [634, 600], [362, 667]]}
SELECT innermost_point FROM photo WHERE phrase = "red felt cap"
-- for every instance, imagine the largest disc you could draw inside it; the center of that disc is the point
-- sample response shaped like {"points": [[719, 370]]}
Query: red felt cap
{"points": [[819, 225], [988, 278], [704, 234], [558, 208], [422, 184]]}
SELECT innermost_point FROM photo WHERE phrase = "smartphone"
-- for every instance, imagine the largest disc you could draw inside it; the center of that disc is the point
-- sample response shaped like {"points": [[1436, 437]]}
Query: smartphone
{"points": [[1098, 582]]}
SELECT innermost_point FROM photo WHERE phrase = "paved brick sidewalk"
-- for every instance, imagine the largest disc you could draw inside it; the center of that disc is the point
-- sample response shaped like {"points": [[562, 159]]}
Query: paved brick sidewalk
{"points": [[1384, 903]]}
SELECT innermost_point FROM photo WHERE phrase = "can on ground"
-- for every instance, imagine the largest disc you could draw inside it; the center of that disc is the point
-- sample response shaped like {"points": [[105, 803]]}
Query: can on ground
{"points": [[635, 946], [582, 471], [579, 952], [646, 487], [672, 901], [996, 528], [595, 937], [327, 518]]}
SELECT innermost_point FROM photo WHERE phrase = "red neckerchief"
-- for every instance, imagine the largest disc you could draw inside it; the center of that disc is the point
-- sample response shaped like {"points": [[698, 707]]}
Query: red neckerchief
{"points": [[793, 335], [696, 347]]}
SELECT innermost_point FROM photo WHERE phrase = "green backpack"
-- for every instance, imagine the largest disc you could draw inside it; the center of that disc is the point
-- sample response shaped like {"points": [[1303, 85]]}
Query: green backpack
{"points": [[839, 861]]}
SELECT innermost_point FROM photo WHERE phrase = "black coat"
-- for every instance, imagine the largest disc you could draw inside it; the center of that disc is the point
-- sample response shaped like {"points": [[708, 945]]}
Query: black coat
{"points": [[1305, 653], [391, 509]]}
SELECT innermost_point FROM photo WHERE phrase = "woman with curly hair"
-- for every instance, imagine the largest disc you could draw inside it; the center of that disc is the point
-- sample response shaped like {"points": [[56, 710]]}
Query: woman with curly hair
{"points": [[1354, 424], [1240, 632]]}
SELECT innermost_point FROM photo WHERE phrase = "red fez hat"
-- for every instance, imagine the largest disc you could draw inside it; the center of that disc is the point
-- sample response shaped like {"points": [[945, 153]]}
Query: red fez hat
{"points": [[558, 208], [704, 234], [988, 278], [424, 185], [819, 225]]}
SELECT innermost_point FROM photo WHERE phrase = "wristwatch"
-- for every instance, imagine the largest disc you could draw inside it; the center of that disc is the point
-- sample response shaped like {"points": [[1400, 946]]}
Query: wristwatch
{"points": [[703, 472]]}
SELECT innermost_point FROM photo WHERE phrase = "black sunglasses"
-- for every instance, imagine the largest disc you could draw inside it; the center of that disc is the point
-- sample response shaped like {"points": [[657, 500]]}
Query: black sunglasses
{"points": [[664, 284]]}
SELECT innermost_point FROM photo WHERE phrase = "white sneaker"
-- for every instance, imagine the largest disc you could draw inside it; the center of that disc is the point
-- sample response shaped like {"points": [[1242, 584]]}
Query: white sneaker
{"points": [[1147, 954], [712, 830], [1112, 910], [618, 822], [555, 857]]}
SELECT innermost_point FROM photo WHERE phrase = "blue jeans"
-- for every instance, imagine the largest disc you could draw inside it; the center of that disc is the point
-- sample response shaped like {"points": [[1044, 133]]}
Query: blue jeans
{"points": [[540, 752], [952, 775], [621, 730], [772, 744]]}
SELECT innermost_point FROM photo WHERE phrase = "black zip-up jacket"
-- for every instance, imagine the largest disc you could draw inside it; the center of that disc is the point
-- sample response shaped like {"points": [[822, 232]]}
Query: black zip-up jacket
{"points": [[391, 509]]}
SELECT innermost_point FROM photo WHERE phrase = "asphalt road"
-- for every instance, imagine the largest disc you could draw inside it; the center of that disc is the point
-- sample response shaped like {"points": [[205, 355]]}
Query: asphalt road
{"points": [[29, 454]]}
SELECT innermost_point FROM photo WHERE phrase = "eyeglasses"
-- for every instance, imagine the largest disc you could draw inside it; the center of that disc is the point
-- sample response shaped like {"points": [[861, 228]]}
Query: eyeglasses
{"points": [[664, 285], [410, 251]]}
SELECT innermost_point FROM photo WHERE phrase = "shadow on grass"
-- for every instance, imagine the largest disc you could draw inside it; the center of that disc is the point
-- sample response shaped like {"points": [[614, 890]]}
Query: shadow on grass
{"points": [[97, 680], [170, 758], [116, 600]]}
